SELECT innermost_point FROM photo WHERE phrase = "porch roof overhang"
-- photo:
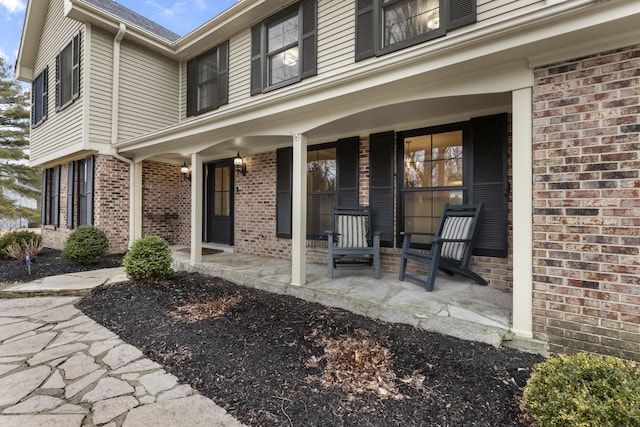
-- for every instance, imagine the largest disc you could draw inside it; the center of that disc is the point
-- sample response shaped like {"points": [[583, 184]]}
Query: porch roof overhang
{"points": [[462, 75]]}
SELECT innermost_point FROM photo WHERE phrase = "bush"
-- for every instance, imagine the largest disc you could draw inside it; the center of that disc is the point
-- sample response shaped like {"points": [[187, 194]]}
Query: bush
{"points": [[86, 245], [20, 248], [583, 390], [20, 241], [148, 261]]}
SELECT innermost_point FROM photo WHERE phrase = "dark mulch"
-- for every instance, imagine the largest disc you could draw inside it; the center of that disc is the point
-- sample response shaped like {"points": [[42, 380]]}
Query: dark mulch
{"points": [[274, 360], [50, 263]]}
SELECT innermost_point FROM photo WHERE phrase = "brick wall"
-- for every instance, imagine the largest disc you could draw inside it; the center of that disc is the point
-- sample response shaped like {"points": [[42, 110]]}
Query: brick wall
{"points": [[587, 204], [255, 221], [166, 203], [111, 205], [111, 201]]}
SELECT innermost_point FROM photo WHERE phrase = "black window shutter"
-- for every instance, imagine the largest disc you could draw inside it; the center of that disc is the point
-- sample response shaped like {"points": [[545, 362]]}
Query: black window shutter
{"points": [[490, 187], [348, 157], [461, 12], [55, 199], [58, 94], [35, 106], [45, 93], [284, 182], [75, 52], [89, 165], [70, 181], [381, 185], [191, 87], [364, 29], [256, 59], [223, 73], [43, 198], [309, 39]]}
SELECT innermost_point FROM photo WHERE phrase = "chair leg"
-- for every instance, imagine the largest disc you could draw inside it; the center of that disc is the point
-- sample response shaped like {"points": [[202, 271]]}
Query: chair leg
{"points": [[330, 262], [433, 268]]}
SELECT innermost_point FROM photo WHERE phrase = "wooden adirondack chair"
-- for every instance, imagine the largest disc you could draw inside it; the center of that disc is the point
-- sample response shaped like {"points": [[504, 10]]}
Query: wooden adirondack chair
{"points": [[352, 238], [451, 246]]}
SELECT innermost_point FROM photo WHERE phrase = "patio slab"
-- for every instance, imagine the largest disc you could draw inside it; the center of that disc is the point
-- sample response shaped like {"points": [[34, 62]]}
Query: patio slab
{"points": [[456, 307]]}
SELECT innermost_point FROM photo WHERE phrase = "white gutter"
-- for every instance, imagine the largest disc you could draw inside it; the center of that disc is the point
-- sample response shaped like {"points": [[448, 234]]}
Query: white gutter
{"points": [[115, 100]]}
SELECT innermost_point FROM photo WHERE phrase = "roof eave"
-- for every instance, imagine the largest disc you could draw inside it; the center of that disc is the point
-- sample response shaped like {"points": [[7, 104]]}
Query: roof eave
{"points": [[85, 12], [29, 41]]}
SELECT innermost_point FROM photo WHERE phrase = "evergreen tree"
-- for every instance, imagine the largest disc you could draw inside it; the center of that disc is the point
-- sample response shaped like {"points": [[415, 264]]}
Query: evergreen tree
{"points": [[17, 179]]}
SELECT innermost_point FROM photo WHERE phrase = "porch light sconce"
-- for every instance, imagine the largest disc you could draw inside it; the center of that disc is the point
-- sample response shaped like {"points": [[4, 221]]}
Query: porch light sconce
{"points": [[240, 165], [184, 170]]}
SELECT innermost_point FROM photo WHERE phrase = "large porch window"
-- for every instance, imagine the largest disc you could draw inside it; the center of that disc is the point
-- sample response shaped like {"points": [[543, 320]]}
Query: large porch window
{"points": [[460, 163], [322, 192], [433, 176]]}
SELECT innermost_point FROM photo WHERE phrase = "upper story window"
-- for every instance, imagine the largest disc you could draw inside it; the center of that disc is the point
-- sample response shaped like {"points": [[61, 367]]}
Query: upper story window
{"points": [[284, 48], [68, 73], [208, 80], [39, 98], [384, 26]]}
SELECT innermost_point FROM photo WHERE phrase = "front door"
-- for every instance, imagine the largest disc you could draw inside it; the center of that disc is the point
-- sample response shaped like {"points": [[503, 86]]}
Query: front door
{"points": [[218, 215]]}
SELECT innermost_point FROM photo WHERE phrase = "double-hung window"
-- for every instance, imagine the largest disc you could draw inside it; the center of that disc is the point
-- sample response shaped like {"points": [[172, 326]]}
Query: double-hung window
{"points": [[384, 26], [80, 192], [50, 204], [458, 163], [332, 179], [208, 80], [283, 48], [39, 98], [68, 73]]}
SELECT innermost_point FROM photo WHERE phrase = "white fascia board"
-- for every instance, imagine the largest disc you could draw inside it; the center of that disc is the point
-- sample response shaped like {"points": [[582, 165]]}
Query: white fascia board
{"points": [[29, 41]]}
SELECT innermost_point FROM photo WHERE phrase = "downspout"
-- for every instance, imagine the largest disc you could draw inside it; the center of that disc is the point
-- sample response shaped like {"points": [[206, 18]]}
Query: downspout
{"points": [[115, 100]]}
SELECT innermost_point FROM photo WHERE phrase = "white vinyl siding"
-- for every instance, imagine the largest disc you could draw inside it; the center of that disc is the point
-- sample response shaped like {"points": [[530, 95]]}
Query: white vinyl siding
{"points": [[506, 9], [101, 86], [63, 130], [336, 35], [240, 67], [149, 91]]}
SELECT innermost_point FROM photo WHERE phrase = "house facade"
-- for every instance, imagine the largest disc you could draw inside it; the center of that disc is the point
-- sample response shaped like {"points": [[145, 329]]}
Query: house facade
{"points": [[530, 107]]}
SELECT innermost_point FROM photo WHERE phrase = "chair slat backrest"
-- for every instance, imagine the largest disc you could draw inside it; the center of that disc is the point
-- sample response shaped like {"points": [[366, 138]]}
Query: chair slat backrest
{"points": [[455, 227], [352, 227], [458, 222]]}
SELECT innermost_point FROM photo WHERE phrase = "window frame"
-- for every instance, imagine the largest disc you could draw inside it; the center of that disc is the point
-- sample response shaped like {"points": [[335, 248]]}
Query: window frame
{"points": [[369, 25], [50, 203], [319, 194], [306, 12], [66, 76], [347, 181], [40, 98], [220, 79], [379, 10], [485, 179], [466, 187], [80, 204]]}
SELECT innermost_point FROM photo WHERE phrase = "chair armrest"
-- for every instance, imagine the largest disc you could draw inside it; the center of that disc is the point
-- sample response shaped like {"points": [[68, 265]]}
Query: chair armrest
{"points": [[417, 233]]}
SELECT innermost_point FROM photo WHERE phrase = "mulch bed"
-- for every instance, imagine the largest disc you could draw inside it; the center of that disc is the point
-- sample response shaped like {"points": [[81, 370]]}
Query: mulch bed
{"points": [[50, 263], [274, 360]]}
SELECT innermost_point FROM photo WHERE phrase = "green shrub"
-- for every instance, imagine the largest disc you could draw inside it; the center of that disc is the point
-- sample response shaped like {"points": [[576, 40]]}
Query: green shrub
{"points": [[148, 261], [12, 237], [86, 245], [583, 390]]}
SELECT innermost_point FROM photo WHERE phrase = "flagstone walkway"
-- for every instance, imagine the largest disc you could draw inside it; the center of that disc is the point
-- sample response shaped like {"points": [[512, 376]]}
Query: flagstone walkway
{"points": [[59, 368]]}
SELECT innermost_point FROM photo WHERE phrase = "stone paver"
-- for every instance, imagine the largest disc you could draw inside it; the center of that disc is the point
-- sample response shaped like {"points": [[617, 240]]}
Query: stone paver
{"points": [[59, 368]]}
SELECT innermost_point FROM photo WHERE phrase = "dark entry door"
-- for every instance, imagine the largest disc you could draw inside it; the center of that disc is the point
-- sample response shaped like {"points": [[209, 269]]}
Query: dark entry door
{"points": [[218, 227]]}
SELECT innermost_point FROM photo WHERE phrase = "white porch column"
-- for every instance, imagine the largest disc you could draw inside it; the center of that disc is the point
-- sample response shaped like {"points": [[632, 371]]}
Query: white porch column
{"points": [[299, 212], [196, 209], [136, 185], [522, 213]]}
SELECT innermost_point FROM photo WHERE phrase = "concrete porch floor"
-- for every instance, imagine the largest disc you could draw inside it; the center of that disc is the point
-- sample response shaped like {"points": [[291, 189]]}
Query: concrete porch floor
{"points": [[457, 307]]}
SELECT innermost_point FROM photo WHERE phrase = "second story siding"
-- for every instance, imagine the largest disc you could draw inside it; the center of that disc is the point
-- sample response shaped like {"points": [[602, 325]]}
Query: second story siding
{"points": [[101, 86], [149, 91], [63, 130]]}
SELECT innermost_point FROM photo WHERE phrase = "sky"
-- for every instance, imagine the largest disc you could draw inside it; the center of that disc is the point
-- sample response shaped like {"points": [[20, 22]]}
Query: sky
{"points": [[180, 16]]}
